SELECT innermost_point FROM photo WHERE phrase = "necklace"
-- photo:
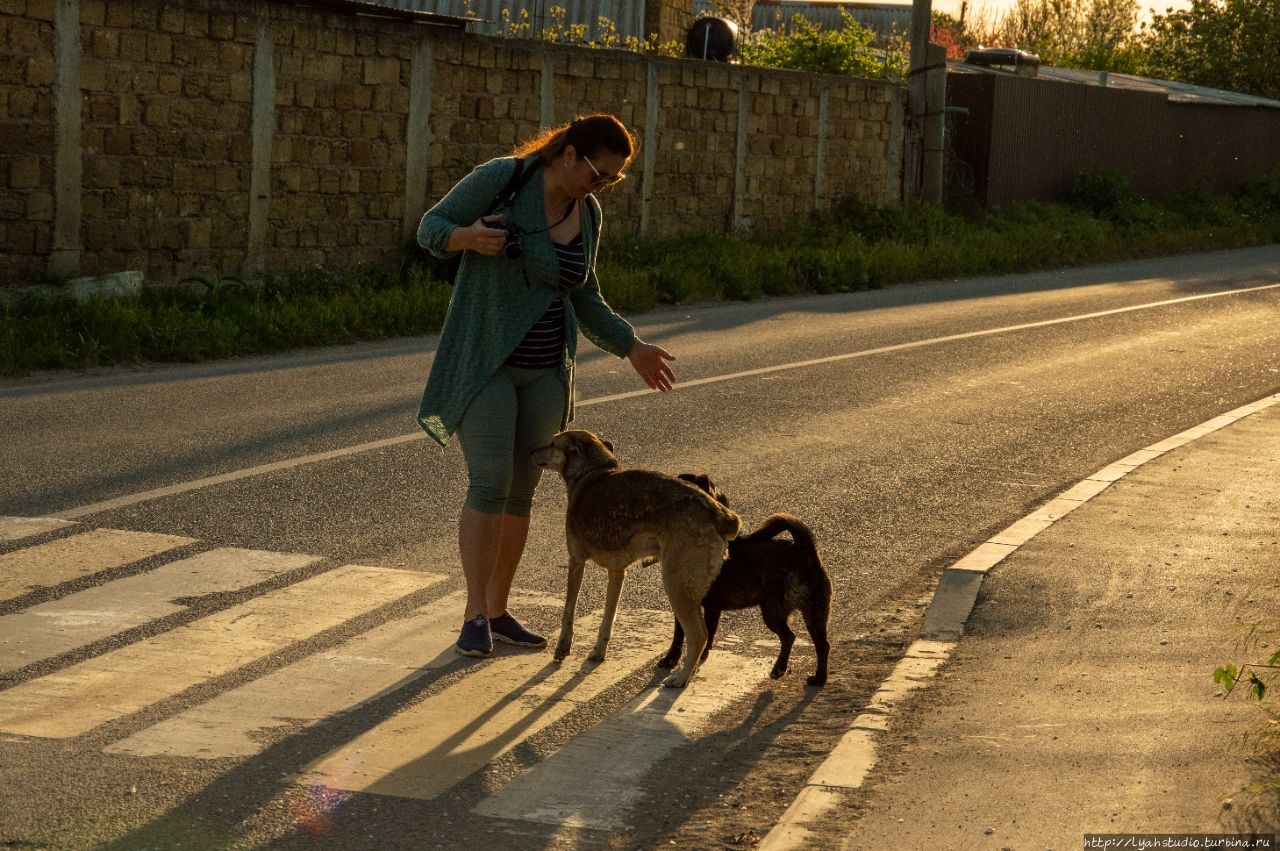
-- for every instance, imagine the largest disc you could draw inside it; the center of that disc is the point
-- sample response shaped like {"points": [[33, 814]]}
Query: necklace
{"points": [[567, 210]]}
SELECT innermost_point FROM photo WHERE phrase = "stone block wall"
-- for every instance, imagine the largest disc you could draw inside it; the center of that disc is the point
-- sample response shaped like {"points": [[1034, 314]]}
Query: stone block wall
{"points": [[167, 92], [221, 137], [26, 133], [338, 152], [667, 20]]}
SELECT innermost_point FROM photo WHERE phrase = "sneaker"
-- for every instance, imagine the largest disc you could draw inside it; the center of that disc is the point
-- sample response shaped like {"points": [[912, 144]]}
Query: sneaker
{"points": [[508, 629], [475, 639]]}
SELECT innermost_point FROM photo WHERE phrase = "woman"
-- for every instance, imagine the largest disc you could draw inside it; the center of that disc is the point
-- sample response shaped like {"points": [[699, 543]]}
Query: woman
{"points": [[502, 378]]}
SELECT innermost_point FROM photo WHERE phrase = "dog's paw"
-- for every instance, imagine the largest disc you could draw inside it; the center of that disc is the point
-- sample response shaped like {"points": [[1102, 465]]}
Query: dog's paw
{"points": [[816, 680], [597, 655], [562, 651], [675, 680], [778, 672], [668, 661]]}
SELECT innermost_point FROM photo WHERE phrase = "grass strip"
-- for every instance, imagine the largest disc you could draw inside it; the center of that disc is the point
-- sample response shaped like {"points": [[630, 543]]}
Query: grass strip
{"points": [[850, 247]]}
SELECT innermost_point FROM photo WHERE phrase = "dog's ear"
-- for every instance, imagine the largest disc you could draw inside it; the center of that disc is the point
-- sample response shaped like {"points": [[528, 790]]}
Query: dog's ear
{"points": [[704, 482], [608, 444]]}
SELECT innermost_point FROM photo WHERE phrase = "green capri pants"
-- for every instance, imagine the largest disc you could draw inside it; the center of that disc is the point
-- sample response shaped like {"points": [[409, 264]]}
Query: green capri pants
{"points": [[518, 411]]}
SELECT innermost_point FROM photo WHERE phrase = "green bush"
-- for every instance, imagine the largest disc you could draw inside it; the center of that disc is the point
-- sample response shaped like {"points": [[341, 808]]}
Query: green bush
{"points": [[853, 245], [1105, 192], [847, 50]]}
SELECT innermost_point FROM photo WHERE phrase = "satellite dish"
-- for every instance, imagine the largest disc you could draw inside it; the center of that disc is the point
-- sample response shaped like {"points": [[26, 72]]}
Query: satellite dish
{"points": [[711, 38]]}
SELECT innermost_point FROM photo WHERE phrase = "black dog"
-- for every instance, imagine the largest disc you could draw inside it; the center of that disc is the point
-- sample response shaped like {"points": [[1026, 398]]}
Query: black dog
{"points": [[778, 575]]}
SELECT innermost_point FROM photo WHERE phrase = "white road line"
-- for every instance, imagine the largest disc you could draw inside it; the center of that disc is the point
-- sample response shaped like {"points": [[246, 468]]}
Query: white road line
{"points": [[593, 781], [79, 698], [239, 723], [96, 613], [302, 460], [429, 747], [77, 556], [17, 528]]}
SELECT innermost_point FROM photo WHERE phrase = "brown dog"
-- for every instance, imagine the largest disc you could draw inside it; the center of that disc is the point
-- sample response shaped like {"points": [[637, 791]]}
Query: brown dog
{"points": [[617, 517], [779, 576]]}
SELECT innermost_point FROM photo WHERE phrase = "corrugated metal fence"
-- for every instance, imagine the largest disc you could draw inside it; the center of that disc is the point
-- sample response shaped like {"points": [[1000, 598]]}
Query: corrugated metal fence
{"points": [[881, 18], [508, 17], [1025, 139]]}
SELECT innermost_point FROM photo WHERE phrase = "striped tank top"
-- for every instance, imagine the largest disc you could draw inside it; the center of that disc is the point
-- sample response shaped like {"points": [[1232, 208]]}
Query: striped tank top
{"points": [[543, 344]]}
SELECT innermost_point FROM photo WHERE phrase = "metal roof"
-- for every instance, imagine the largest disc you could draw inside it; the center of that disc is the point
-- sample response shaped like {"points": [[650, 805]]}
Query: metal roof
{"points": [[1174, 91]]}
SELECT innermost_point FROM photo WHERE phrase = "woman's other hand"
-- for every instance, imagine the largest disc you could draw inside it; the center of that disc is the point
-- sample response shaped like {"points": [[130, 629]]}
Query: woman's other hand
{"points": [[650, 363]]}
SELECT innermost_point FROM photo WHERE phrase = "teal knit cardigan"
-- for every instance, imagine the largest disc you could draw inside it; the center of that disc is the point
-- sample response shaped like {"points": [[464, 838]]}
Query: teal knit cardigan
{"points": [[496, 300]]}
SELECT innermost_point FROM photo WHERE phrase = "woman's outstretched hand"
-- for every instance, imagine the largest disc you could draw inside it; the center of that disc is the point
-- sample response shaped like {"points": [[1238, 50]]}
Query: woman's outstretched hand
{"points": [[650, 363]]}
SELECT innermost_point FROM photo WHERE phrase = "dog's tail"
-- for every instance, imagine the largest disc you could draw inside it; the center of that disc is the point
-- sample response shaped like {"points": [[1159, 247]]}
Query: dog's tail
{"points": [[775, 524]]}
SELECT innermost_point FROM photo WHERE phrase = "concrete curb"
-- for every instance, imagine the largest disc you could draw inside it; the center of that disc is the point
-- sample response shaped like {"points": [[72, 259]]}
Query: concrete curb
{"points": [[847, 766], [115, 285]]}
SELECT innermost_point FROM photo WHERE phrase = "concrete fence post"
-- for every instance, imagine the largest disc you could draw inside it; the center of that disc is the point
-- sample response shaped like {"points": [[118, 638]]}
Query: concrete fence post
{"points": [[418, 139], [652, 103], [262, 131], [64, 257]]}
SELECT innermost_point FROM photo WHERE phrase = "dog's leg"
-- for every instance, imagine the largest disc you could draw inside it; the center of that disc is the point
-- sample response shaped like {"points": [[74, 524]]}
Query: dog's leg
{"points": [[610, 610], [573, 584], [713, 623], [689, 613], [815, 621], [686, 581], [777, 623], [673, 654]]}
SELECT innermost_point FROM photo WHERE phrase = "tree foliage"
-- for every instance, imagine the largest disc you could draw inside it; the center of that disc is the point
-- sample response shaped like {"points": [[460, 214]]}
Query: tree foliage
{"points": [[738, 11], [850, 49], [1093, 34], [1222, 44]]}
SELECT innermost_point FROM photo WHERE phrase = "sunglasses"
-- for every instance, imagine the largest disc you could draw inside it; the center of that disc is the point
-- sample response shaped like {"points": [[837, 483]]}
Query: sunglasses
{"points": [[603, 180]]}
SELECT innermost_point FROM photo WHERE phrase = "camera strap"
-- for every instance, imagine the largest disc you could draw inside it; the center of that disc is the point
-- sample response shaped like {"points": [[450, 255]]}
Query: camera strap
{"points": [[519, 177], [505, 198]]}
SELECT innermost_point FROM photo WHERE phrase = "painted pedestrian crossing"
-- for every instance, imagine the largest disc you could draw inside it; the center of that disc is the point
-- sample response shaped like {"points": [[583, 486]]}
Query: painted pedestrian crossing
{"points": [[431, 746], [80, 619], [17, 528], [79, 555], [362, 669], [77, 699], [481, 711], [594, 780]]}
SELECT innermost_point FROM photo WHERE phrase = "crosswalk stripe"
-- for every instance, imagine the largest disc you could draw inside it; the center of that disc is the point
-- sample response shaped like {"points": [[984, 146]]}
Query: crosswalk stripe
{"points": [[17, 528], [593, 781], [374, 663], [96, 613], [79, 555], [428, 747], [83, 696]]}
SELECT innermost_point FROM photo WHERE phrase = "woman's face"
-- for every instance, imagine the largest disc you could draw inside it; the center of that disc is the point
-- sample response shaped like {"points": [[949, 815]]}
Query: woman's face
{"points": [[593, 173]]}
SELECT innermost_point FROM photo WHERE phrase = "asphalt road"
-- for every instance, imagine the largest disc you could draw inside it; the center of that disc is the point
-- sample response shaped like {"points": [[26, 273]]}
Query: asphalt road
{"points": [[905, 425]]}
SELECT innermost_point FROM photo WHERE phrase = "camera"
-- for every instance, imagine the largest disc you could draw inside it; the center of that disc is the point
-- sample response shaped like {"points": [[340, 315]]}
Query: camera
{"points": [[513, 248]]}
